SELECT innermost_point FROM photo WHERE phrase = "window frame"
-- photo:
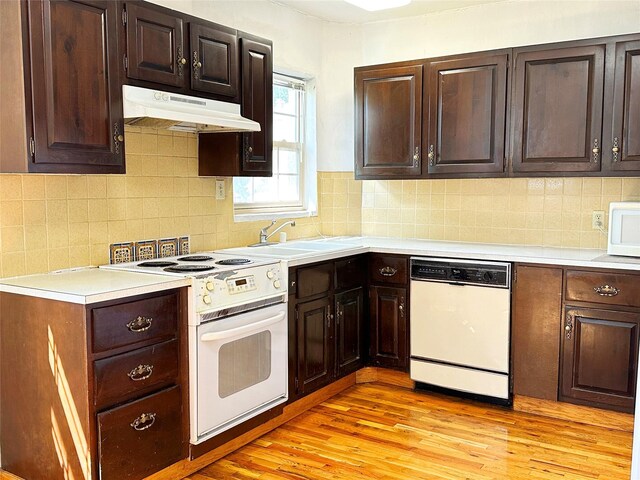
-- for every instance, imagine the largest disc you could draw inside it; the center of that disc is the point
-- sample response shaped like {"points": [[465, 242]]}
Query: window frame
{"points": [[304, 206]]}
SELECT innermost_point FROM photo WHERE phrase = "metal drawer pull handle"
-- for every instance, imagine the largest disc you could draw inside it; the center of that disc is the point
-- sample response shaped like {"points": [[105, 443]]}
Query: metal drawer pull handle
{"points": [[388, 271], [606, 291], [141, 372], [140, 324], [144, 421]]}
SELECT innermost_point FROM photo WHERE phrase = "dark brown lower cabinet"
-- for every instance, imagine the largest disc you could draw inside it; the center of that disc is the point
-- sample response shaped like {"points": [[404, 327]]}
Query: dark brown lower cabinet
{"points": [[315, 344], [349, 330], [535, 330], [388, 327], [141, 437], [599, 358]]}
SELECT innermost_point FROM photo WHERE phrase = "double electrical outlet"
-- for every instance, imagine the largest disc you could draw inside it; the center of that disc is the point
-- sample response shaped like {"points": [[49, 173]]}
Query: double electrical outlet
{"points": [[597, 220]]}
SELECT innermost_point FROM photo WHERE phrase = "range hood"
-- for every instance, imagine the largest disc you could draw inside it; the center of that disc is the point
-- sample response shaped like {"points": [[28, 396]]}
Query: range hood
{"points": [[154, 108]]}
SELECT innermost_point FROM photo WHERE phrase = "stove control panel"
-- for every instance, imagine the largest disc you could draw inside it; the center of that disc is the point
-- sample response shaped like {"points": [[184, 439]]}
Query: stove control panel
{"points": [[240, 285], [219, 290]]}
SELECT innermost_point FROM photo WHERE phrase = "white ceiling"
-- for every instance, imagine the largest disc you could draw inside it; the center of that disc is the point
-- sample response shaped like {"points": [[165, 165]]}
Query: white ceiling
{"points": [[343, 12]]}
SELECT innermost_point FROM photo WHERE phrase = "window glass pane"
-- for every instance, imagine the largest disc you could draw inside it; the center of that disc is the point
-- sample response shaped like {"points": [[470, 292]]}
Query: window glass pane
{"points": [[243, 190], [284, 128], [288, 190], [265, 189], [284, 100], [288, 161]]}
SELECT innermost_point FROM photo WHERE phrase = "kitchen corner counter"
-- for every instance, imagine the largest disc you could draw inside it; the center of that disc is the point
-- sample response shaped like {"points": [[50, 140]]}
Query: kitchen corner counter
{"points": [[571, 257], [89, 285]]}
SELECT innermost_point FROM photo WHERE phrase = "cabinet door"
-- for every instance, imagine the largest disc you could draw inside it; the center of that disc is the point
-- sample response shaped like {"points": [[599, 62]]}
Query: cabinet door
{"points": [[622, 148], [349, 318], [257, 104], [315, 345], [600, 358], [466, 114], [388, 328], [214, 56], [388, 122], [76, 96], [155, 46], [557, 110], [536, 324]]}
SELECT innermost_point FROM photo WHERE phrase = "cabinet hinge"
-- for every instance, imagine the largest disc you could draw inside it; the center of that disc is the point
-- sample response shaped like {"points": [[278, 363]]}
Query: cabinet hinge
{"points": [[32, 146], [125, 62], [296, 383], [297, 314], [515, 275], [124, 17]]}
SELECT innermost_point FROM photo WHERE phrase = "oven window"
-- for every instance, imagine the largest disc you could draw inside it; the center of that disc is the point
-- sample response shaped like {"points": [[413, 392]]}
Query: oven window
{"points": [[244, 363]]}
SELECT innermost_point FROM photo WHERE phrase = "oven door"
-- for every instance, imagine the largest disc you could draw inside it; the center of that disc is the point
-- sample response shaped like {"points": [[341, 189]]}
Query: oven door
{"points": [[241, 369]]}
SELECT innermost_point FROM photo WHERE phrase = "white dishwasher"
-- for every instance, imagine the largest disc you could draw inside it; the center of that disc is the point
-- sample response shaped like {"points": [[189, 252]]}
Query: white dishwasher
{"points": [[460, 317]]}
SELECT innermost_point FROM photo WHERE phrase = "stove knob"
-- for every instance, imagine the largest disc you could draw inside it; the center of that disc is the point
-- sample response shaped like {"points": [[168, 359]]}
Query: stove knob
{"points": [[206, 299], [276, 283], [209, 286]]}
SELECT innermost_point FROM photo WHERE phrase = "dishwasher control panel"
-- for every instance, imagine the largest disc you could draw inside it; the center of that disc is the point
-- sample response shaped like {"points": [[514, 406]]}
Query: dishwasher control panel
{"points": [[491, 274]]}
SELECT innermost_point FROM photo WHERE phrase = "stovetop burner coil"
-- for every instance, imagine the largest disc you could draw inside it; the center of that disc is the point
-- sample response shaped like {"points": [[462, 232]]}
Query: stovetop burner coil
{"points": [[189, 268], [195, 258], [234, 261], [158, 264]]}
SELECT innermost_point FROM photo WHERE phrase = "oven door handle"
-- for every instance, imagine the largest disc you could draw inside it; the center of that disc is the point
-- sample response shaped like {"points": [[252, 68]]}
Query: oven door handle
{"points": [[234, 332]]}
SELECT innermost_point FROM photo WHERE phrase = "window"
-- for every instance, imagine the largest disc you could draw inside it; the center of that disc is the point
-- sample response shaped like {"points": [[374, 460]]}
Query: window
{"points": [[287, 192]]}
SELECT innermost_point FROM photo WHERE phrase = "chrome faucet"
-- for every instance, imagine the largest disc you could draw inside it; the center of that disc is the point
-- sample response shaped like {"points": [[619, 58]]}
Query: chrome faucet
{"points": [[264, 236]]}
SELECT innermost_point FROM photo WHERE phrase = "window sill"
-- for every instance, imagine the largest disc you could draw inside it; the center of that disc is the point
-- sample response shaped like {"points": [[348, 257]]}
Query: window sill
{"points": [[253, 217]]}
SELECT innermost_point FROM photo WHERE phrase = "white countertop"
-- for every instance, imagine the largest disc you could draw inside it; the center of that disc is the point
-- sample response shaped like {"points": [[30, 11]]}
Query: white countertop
{"points": [[573, 257], [89, 285]]}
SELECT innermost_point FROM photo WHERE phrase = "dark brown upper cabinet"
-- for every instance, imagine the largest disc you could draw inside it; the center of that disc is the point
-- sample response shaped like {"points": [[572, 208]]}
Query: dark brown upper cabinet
{"points": [[257, 104], [214, 57], [245, 154], [557, 109], [388, 120], [155, 45], [71, 92], [465, 110], [621, 141], [181, 53]]}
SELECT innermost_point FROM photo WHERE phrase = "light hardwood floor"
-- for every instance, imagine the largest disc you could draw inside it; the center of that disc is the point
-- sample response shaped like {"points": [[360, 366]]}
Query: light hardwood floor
{"points": [[380, 432]]}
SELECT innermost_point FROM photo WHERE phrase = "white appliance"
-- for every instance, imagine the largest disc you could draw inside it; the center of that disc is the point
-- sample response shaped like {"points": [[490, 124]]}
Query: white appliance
{"points": [[460, 318], [624, 229], [237, 322], [155, 108]]}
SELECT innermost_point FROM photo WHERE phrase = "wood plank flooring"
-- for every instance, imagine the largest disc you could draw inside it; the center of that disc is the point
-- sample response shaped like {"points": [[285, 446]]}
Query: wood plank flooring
{"points": [[381, 432]]}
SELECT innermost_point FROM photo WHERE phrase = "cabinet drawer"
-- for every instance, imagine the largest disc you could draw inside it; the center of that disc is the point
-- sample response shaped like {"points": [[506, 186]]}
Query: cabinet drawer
{"points": [[389, 269], [141, 437], [608, 288], [314, 280], [126, 376], [350, 273], [133, 322]]}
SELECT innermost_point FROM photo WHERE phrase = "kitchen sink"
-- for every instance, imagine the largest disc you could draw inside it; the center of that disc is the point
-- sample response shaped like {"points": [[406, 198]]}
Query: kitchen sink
{"points": [[291, 250]]}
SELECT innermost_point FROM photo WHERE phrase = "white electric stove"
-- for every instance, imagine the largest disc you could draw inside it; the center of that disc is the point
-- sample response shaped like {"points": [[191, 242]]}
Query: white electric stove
{"points": [[237, 335]]}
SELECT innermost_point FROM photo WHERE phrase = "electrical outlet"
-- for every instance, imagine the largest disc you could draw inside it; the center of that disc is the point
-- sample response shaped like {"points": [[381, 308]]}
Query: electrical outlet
{"points": [[219, 189], [597, 220]]}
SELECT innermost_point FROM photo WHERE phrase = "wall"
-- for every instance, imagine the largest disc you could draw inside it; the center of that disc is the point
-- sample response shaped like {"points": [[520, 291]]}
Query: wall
{"points": [[49, 222]]}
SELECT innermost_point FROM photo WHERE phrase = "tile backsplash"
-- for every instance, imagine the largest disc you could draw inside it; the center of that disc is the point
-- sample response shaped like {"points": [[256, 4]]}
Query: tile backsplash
{"points": [[49, 222], [554, 212]]}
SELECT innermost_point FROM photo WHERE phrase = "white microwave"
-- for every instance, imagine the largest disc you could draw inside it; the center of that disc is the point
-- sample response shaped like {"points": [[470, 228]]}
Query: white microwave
{"points": [[624, 229]]}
